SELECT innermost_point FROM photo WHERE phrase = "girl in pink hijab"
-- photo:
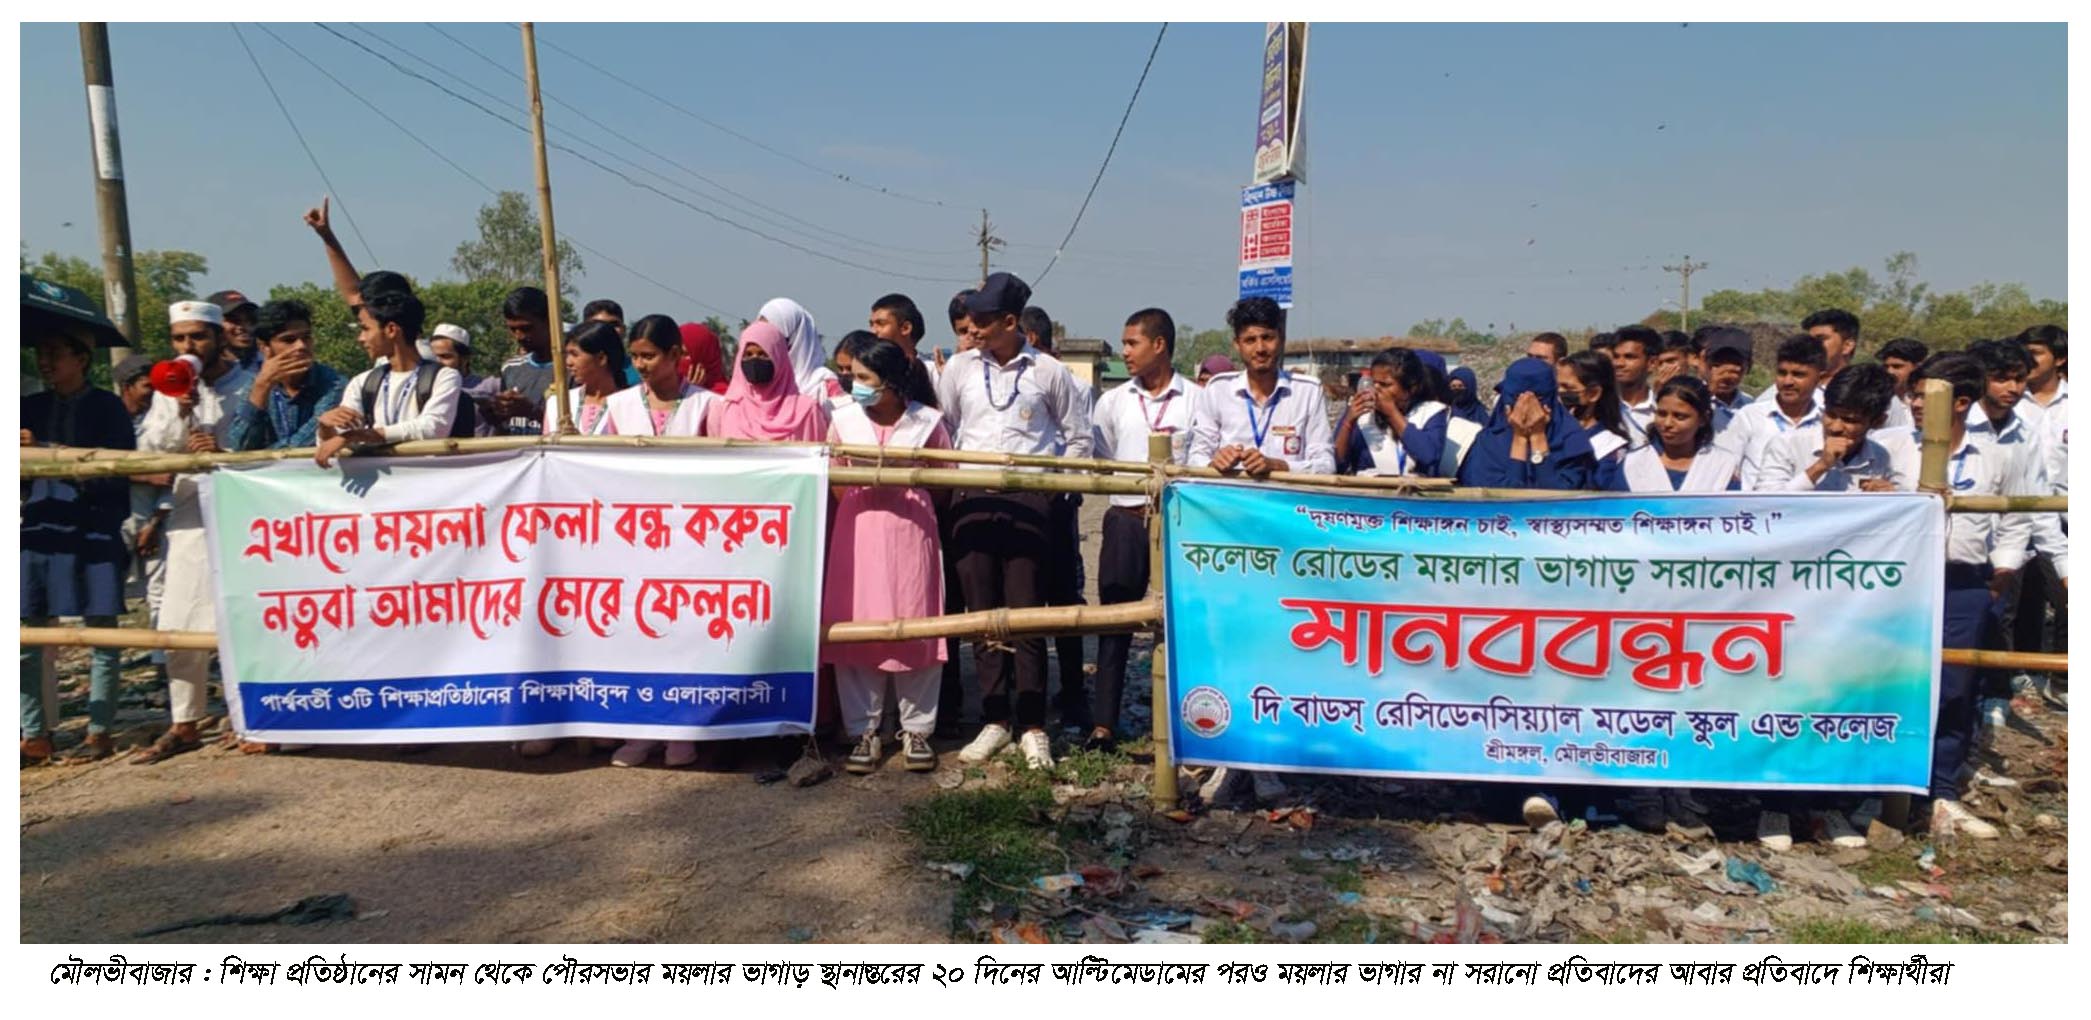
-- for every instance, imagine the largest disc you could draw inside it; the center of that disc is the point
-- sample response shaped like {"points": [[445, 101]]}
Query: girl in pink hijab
{"points": [[764, 401]]}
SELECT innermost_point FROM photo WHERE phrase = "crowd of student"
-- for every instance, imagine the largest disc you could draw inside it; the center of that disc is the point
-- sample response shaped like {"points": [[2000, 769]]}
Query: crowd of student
{"points": [[1638, 411]]}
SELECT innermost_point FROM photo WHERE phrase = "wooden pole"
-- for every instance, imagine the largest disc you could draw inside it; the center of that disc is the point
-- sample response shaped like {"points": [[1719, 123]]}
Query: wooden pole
{"points": [[1165, 795], [1938, 436], [112, 209], [557, 323]]}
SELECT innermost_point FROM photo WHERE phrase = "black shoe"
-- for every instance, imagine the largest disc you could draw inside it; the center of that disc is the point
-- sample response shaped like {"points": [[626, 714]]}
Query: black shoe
{"points": [[1104, 742]]}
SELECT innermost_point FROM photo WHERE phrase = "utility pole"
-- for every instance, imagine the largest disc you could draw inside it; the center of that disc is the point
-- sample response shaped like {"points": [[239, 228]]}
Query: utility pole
{"points": [[987, 241], [545, 235], [119, 280], [1684, 307]]}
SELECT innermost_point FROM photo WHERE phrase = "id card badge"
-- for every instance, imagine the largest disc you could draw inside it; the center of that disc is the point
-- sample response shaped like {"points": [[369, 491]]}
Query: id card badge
{"points": [[1179, 442], [1294, 442]]}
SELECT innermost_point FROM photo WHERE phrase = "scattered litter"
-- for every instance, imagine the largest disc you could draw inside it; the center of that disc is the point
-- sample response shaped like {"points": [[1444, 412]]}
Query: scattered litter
{"points": [[956, 869], [1026, 932], [1889, 893], [799, 935], [809, 770], [1299, 931], [310, 910], [1928, 890], [1699, 865], [1097, 928], [1239, 910], [1929, 860], [1583, 886], [1750, 873], [1348, 899], [949, 779], [1178, 815], [1159, 937], [1057, 883], [2046, 822], [1159, 918]]}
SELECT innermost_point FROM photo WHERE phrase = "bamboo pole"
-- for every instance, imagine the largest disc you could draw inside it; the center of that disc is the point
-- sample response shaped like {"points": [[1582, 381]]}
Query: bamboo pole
{"points": [[1111, 619], [556, 320], [1165, 794], [1937, 439]]}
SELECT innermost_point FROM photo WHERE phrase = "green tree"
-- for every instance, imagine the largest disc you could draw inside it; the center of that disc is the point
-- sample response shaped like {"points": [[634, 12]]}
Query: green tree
{"points": [[163, 277], [1896, 304], [1194, 346], [1457, 330], [475, 305], [510, 250]]}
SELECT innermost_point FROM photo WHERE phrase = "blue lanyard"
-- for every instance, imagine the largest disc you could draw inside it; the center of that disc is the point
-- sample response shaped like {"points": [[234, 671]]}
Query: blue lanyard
{"points": [[987, 381], [1960, 463], [1249, 403], [396, 411]]}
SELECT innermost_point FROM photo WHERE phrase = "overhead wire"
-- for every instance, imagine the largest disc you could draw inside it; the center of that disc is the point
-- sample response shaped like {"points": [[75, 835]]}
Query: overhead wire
{"points": [[295, 131], [474, 178], [627, 178], [864, 245], [715, 125], [1106, 164]]}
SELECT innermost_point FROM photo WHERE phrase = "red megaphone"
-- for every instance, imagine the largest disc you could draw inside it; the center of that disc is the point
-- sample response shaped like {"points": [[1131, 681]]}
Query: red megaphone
{"points": [[176, 377]]}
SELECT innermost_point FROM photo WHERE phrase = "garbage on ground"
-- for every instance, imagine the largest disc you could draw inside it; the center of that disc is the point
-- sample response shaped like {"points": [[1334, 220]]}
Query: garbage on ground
{"points": [[1750, 873], [1299, 931], [956, 869], [1057, 883], [1162, 937]]}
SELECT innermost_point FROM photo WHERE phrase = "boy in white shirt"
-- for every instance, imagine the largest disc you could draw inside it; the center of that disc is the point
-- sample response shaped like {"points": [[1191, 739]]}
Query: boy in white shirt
{"points": [[1839, 454], [1793, 402], [402, 399]]}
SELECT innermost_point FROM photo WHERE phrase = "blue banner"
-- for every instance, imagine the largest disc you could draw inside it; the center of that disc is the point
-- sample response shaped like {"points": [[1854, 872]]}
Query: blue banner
{"points": [[1742, 641]]}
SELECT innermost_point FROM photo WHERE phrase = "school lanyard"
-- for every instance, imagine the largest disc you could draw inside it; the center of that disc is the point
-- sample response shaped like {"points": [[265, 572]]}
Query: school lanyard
{"points": [[1154, 419], [394, 411], [987, 381], [1259, 433]]}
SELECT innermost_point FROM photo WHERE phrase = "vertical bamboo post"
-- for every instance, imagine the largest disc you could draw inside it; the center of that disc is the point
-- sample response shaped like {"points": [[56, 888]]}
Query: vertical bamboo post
{"points": [[1164, 756], [545, 234], [1937, 449]]}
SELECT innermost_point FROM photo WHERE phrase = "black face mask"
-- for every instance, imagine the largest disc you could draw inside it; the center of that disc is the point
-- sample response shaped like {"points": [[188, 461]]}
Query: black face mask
{"points": [[759, 370]]}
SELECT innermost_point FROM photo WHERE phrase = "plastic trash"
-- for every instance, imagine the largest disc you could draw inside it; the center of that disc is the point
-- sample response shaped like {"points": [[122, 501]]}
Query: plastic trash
{"points": [[1299, 931], [1057, 883], [799, 935], [956, 869], [1158, 918], [1583, 886], [1750, 873], [1348, 899], [1161, 937]]}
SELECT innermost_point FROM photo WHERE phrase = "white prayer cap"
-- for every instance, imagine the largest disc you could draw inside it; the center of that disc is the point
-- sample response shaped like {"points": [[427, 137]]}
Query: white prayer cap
{"points": [[195, 311], [454, 333]]}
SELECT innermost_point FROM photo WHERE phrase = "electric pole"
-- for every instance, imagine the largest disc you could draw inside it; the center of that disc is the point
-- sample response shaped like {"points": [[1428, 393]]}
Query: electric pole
{"points": [[119, 285], [1684, 308], [987, 242]]}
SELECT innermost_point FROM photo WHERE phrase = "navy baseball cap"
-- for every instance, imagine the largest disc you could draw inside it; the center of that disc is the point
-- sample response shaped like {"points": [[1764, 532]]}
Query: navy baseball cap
{"points": [[999, 294]]}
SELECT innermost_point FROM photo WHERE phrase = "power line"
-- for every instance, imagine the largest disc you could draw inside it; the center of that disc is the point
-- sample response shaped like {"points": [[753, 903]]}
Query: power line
{"points": [[294, 130], [715, 125], [1128, 115], [474, 178], [865, 245], [627, 178]]}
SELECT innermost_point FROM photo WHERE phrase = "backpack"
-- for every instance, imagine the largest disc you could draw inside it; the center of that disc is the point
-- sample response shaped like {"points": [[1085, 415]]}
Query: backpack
{"points": [[461, 426]]}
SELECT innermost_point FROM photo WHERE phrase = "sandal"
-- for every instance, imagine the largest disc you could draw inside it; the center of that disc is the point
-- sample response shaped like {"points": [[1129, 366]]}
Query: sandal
{"points": [[171, 743], [97, 747], [36, 750]]}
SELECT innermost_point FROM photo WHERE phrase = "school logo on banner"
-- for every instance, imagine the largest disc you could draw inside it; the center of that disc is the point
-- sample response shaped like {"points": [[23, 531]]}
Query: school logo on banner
{"points": [[1206, 711]]}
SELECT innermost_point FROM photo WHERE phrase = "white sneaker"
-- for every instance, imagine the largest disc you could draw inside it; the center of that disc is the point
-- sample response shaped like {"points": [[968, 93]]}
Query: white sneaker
{"points": [[1949, 816], [1038, 749], [1218, 785], [992, 739], [1839, 831], [1987, 778], [1269, 788], [1774, 832], [1539, 810]]}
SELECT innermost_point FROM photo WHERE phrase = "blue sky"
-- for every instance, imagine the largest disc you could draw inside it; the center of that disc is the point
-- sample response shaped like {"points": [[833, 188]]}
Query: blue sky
{"points": [[1527, 176]]}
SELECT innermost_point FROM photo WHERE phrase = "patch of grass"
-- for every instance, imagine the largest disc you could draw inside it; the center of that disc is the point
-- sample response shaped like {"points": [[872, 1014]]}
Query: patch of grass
{"points": [[1344, 876], [1088, 768], [1350, 929], [1230, 933], [1614, 937], [1888, 869], [1003, 832], [1846, 932]]}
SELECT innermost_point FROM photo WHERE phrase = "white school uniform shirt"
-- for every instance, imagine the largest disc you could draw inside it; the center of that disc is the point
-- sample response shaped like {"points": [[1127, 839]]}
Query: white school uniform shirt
{"points": [[2022, 443], [1711, 470], [1127, 414], [1638, 417], [629, 416], [399, 416], [1389, 457], [1756, 426], [1899, 417], [1293, 426], [2057, 412], [164, 430], [1977, 468], [1724, 411], [1030, 405], [1788, 456]]}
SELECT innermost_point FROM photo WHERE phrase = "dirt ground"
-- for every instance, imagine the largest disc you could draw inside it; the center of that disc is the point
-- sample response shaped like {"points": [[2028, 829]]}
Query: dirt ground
{"points": [[468, 843]]}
